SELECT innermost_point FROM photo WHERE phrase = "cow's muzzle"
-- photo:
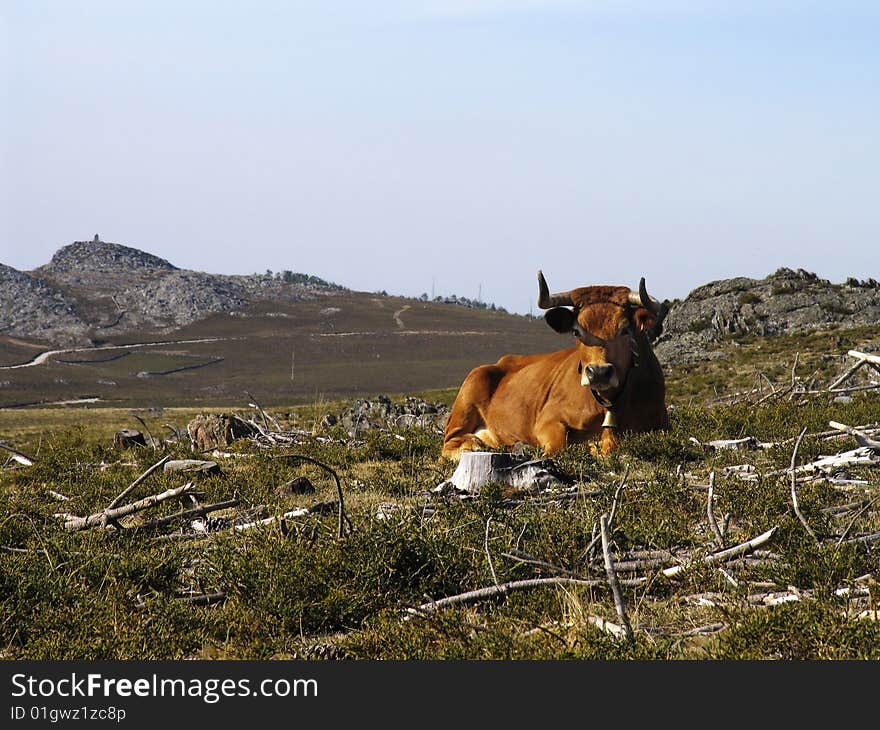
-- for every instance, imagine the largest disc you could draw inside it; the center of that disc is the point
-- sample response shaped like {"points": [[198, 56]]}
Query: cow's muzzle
{"points": [[600, 376]]}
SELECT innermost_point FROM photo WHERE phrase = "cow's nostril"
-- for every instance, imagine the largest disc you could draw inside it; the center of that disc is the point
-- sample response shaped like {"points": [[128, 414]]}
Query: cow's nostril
{"points": [[599, 372]]}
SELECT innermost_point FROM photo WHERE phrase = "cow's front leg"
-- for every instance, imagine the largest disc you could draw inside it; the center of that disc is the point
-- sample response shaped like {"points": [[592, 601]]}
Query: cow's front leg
{"points": [[552, 436], [609, 441]]}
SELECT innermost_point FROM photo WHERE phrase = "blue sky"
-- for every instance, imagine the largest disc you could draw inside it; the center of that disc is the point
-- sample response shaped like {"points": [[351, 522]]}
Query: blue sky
{"points": [[390, 145]]}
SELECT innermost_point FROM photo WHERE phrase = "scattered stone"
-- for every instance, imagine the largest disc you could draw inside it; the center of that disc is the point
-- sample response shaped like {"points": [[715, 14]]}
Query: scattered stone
{"points": [[299, 485], [382, 412], [192, 466]]}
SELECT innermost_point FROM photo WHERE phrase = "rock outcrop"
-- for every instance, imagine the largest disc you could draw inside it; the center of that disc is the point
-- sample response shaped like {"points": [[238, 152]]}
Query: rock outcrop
{"points": [[786, 302], [31, 307], [94, 288]]}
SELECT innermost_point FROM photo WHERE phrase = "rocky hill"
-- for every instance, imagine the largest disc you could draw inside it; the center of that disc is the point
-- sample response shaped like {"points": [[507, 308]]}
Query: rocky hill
{"points": [[30, 307], [785, 302], [92, 289]]}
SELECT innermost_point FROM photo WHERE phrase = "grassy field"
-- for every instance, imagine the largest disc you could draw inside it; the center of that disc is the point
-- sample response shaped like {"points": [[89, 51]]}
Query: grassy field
{"points": [[338, 346], [302, 591]]}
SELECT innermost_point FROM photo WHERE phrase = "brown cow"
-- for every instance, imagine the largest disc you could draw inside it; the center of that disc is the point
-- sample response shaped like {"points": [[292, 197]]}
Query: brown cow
{"points": [[608, 383]]}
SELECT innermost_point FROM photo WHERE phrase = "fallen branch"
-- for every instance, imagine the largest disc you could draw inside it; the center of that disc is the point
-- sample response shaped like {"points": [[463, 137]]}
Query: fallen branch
{"points": [[867, 539], [865, 357], [489, 552], [189, 513], [710, 510], [612, 578], [112, 515], [617, 631], [522, 557], [16, 455], [498, 590], [723, 555], [266, 417], [794, 500], [203, 599], [616, 498], [852, 522], [846, 375], [861, 437]]}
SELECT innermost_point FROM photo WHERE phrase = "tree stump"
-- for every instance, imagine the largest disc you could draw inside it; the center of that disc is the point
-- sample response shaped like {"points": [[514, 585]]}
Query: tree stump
{"points": [[217, 431], [477, 468], [128, 438]]}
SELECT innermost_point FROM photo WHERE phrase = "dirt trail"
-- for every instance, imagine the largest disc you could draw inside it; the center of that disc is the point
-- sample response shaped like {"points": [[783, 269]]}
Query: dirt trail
{"points": [[397, 316], [43, 357]]}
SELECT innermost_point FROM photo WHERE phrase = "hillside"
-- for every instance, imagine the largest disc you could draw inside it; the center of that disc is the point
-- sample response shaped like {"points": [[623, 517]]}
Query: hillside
{"points": [[110, 290], [134, 329], [334, 345]]}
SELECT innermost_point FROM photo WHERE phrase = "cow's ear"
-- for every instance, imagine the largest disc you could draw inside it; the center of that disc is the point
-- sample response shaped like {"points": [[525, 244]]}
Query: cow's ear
{"points": [[561, 319]]}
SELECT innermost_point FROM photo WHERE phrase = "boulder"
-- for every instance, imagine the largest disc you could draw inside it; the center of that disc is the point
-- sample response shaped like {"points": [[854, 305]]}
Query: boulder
{"points": [[211, 431]]}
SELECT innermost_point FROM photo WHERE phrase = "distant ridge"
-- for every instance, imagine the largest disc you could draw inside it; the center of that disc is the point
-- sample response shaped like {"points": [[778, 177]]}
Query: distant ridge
{"points": [[92, 289]]}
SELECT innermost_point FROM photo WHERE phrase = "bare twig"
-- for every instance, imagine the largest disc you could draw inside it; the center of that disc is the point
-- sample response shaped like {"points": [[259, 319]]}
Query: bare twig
{"points": [[489, 552], [137, 482], [612, 578], [266, 417], [710, 510], [856, 516], [200, 511], [343, 521], [794, 500], [616, 498], [522, 557], [794, 368], [146, 428]]}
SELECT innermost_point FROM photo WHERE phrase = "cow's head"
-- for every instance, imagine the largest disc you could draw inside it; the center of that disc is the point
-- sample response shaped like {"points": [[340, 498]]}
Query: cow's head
{"points": [[611, 323]]}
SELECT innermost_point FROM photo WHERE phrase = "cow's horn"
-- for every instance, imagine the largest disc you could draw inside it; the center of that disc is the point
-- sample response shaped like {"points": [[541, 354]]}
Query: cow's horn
{"points": [[546, 300], [643, 299]]}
